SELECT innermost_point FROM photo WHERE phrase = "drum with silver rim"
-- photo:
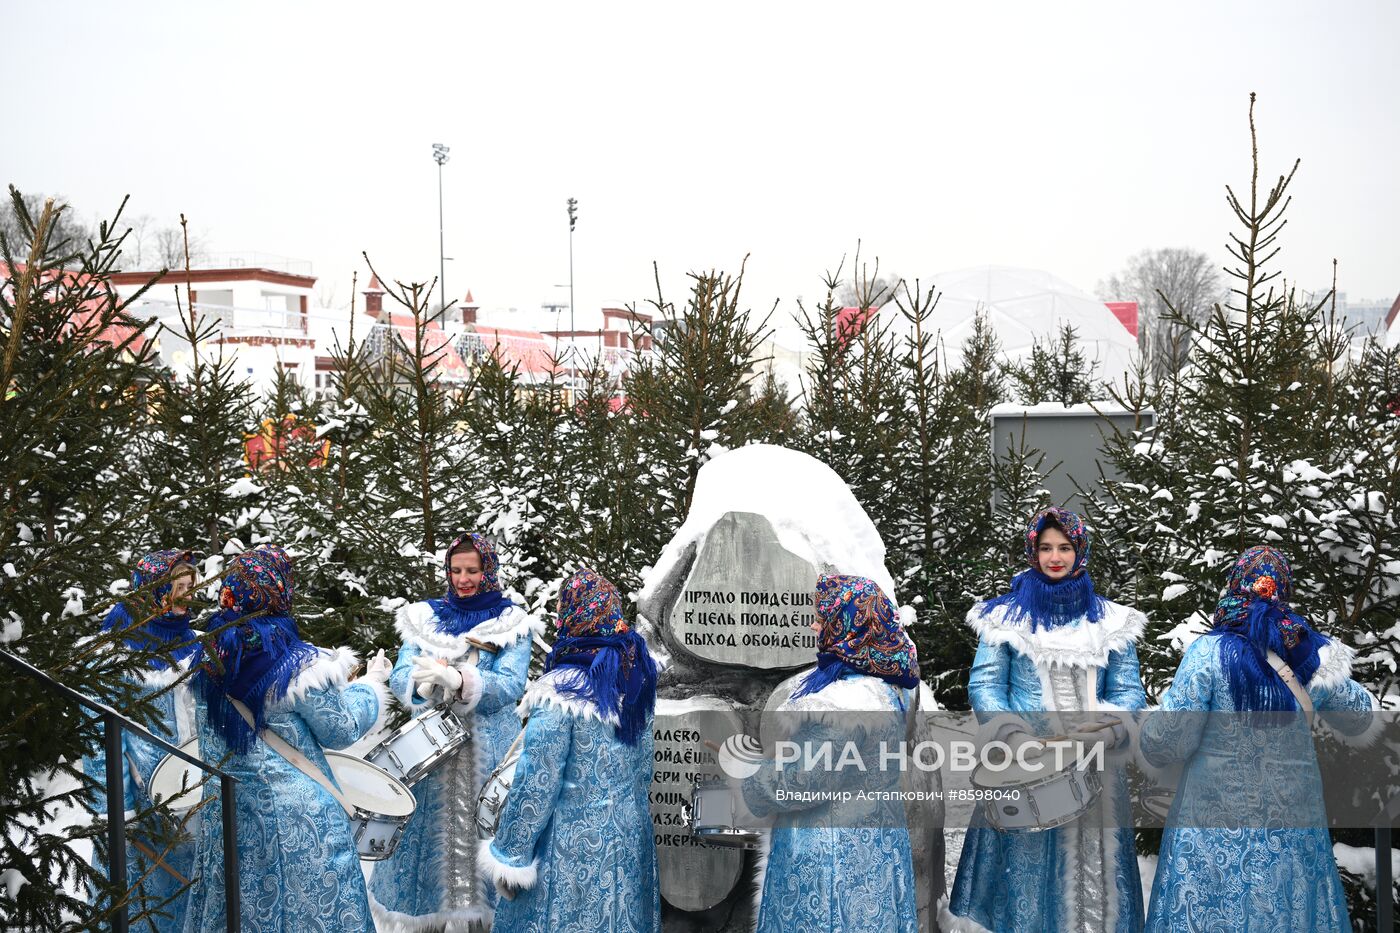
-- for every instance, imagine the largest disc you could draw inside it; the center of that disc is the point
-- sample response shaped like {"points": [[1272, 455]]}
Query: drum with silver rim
{"points": [[177, 783], [1031, 800], [382, 804], [492, 800], [714, 815], [423, 743]]}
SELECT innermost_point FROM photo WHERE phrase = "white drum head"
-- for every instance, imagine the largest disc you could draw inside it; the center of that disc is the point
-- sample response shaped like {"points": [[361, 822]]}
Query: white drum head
{"points": [[1013, 775], [369, 787], [175, 782]]}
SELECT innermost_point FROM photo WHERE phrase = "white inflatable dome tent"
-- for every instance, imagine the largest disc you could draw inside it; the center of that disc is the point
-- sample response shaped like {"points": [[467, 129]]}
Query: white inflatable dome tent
{"points": [[1023, 305]]}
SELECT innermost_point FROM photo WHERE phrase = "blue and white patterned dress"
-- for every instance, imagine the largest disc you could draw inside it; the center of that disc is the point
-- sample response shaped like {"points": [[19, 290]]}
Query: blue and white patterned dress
{"points": [[431, 880], [1213, 877], [576, 832], [298, 869], [835, 865], [175, 706], [1074, 877]]}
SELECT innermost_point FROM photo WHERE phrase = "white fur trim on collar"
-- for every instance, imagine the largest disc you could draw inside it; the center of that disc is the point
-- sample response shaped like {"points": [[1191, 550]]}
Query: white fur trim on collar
{"points": [[158, 679], [1333, 665], [417, 624], [545, 692], [861, 693], [1082, 644], [328, 669]]}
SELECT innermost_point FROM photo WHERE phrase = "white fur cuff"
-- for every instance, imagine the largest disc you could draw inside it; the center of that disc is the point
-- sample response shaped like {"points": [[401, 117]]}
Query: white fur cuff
{"points": [[498, 872], [1334, 720], [328, 669], [950, 922], [469, 694]]}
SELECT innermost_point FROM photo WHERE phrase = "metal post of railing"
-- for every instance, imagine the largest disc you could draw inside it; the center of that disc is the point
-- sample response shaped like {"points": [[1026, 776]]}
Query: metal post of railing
{"points": [[116, 817], [232, 909], [1385, 877], [113, 724]]}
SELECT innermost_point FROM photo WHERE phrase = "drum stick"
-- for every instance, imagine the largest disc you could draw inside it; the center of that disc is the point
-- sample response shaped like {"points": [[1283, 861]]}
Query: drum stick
{"points": [[482, 645], [1086, 730], [160, 862]]}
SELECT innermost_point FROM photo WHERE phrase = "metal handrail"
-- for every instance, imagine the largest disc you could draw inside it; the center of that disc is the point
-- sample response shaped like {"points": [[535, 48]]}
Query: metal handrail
{"points": [[112, 724]]}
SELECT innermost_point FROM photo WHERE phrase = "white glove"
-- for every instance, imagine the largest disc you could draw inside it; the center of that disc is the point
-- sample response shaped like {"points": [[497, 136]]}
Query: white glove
{"points": [[1117, 735], [507, 891], [379, 668], [432, 673]]}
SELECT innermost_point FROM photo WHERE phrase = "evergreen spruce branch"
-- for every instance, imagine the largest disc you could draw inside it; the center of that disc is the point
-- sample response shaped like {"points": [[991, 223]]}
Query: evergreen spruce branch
{"points": [[26, 281]]}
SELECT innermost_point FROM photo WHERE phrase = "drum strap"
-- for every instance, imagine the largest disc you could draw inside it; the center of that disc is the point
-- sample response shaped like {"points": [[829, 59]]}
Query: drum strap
{"points": [[295, 758], [1285, 674]]}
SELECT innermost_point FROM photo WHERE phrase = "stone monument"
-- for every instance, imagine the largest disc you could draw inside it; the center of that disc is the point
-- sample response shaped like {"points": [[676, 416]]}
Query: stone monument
{"points": [[730, 600]]}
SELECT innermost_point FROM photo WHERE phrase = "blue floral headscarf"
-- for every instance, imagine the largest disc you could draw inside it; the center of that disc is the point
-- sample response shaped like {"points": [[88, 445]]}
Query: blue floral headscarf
{"points": [[259, 650], [1044, 602], [457, 615], [151, 583], [603, 659], [859, 634], [1253, 618]]}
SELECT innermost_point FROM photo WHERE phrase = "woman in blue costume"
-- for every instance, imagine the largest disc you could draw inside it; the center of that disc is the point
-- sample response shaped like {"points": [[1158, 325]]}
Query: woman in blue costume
{"points": [[298, 870], [574, 852], [469, 649], [162, 579], [1051, 644], [831, 865], [1219, 868]]}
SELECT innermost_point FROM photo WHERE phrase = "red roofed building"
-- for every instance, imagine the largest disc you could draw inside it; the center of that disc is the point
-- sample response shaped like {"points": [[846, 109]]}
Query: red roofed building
{"points": [[116, 334], [398, 333], [252, 308], [526, 351], [851, 321], [1127, 314]]}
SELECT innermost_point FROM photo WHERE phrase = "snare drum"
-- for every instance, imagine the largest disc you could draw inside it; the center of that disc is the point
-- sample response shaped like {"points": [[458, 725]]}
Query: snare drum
{"points": [[494, 793], [382, 804], [420, 745], [1026, 801], [177, 783], [713, 816]]}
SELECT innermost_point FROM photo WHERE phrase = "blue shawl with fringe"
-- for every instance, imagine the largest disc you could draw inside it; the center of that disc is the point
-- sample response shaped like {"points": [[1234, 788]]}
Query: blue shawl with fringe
{"points": [[155, 635], [600, 658], [1253, 618]]}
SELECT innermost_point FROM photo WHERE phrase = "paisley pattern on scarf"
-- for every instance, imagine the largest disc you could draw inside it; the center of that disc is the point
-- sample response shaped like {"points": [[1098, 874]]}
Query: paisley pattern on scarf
{"points": [[859, 634], [1074, 529], [1212, 875], [598, 658], [151, 584], [859, 627], [1253, 618]]}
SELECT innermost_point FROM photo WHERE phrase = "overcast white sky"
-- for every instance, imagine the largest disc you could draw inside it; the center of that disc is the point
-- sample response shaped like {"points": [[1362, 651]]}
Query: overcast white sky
{"points": [[1058, 136]]}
